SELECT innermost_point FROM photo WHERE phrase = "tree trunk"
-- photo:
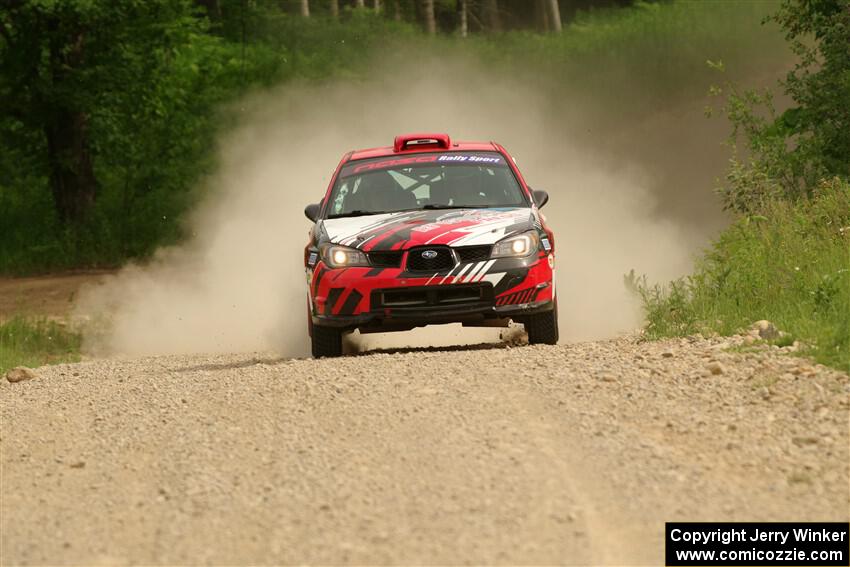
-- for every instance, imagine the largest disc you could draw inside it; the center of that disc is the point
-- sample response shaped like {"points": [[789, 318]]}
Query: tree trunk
{"points": [[69, 159], [396, 11], [376, 4], [430, 20], [335, 9], [72, 179], [491, 15], [463, 21], [305, 8], [360, 4], [541, 14], [555, 16]]}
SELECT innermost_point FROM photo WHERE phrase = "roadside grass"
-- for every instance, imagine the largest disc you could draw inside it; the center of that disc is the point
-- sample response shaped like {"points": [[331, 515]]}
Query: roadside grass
{"points": [[36, 341], [790, 264]]}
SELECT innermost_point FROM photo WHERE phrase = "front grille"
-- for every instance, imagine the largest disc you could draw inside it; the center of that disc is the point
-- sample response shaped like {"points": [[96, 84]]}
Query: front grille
{"points": [[387, 259], [473, 253], [443, 260], [433, 297]]}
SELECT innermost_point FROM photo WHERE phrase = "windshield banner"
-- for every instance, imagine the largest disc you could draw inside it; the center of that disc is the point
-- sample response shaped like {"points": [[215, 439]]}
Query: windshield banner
{"points": [[364, 166]]}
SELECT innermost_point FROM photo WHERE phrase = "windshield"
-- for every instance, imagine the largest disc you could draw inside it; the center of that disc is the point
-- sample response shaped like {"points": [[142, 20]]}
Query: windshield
{"points": [[425, 181]]}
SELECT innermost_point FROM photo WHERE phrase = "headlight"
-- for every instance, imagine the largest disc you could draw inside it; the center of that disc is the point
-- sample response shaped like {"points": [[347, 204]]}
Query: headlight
{"points": [[516, 246], [344, 257]]}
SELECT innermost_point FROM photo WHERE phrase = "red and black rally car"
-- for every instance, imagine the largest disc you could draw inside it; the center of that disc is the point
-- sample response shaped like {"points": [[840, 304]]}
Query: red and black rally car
{"points": [[429, 231]]}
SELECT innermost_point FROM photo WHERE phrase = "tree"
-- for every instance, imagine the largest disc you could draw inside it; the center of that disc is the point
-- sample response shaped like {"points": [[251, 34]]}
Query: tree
{"points": [[305, 8], [335, 9], [212, 8], [542, 15], [44, 53], [818, 127], [554, 14], [463, 18], [788, 155], [376, 5], [360, 3], [428, 14], [491, 15], [60, 60]]}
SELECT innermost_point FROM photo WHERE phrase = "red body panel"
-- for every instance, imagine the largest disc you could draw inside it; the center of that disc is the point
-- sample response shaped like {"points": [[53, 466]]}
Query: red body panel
{"points": [[454, 147], [356, 286]]}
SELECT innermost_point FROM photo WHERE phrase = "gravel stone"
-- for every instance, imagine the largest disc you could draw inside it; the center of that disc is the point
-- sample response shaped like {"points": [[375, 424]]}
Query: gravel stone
{"points": [[484, 455], [20, 374], [716, 368], [766, 330]]}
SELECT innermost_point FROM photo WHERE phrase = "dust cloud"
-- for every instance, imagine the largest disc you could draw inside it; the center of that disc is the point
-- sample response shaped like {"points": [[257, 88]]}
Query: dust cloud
{"points": [[239, 284]]}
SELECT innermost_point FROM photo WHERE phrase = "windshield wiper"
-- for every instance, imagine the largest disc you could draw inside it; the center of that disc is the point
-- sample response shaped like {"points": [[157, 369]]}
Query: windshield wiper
{"points": [[435, 207], [357, 213], [362, 213]]}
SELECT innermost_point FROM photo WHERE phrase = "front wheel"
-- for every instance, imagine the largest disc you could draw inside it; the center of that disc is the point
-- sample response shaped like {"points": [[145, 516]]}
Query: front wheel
{"points": [[326, 341], [542, 328]]}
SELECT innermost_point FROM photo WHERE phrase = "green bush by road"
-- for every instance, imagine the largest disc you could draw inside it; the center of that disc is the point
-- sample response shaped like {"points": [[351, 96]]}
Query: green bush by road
{"points": [[786, 258], [789, 264]]}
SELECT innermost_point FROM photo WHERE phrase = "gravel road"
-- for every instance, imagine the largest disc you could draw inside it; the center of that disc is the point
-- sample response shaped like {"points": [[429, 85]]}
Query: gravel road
{"points": [[570, 454]]}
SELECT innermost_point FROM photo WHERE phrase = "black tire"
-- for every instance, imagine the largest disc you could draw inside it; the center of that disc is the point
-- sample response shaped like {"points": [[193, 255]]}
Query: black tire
{"points": [[542, 328], [326, 341]]}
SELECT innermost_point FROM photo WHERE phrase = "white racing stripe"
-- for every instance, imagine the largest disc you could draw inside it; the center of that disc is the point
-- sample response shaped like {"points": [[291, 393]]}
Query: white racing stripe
{"points": [[448, 275], [483, 235], [480, 275], [442, 234], [362, 244], [345, 230], [460, 273], [494, 278], [472, 273]]}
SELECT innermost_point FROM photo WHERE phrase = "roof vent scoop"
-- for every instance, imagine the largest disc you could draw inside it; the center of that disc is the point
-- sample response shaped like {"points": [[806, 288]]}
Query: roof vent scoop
{"points": [[411, 141]]}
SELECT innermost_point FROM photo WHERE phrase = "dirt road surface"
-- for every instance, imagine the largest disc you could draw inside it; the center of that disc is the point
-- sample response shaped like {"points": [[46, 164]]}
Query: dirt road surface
{"points": [[50, 296], [571, 454]]}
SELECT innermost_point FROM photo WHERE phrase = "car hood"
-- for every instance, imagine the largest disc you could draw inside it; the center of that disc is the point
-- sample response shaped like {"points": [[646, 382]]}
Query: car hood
{"points": [[405, 229]]}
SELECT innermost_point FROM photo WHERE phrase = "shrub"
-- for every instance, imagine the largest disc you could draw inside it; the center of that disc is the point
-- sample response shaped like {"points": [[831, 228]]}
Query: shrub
{"points": [[790, 264]]}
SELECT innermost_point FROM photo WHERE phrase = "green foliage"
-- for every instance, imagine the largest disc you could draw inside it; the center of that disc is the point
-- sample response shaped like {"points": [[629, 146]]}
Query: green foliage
{"points": [[790, 265], [159, 74], [819, 126], [668, 308], [153, 87], [653, 50], [118, 68], [787, 256], [34, 342], [786, 154]]}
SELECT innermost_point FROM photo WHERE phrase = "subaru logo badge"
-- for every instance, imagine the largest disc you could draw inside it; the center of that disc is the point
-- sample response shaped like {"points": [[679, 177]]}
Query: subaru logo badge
{"points": [[429, 254]]}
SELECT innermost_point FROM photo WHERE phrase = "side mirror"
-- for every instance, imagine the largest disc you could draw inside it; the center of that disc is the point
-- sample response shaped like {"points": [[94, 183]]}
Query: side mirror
{"points": [[540, 198], [312, 211]]}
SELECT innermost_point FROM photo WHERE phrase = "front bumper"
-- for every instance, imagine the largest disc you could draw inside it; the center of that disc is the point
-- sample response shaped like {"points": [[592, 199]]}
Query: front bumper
{"points": [[384, 300], [397, 320]]}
